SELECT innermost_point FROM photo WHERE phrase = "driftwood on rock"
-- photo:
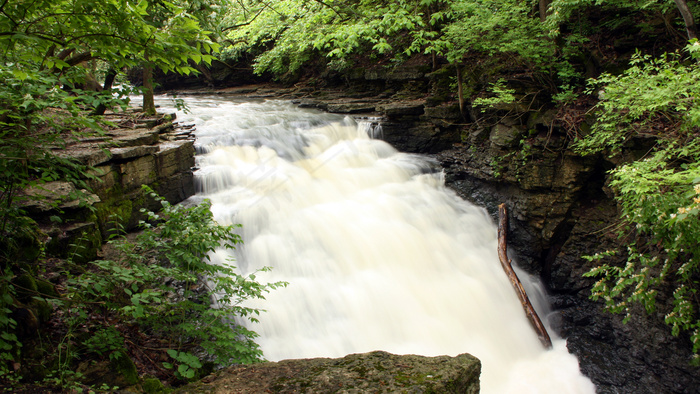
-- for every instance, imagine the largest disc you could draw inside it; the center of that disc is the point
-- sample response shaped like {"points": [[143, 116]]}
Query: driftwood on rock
{"points": [[507, 267]]}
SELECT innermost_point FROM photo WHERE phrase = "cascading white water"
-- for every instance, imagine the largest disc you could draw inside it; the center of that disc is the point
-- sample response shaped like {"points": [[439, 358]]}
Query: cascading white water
{"points": [[378, 254]]}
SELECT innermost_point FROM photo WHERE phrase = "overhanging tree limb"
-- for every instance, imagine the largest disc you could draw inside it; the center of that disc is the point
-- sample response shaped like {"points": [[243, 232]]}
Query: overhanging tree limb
{"points": [[225, 29]]}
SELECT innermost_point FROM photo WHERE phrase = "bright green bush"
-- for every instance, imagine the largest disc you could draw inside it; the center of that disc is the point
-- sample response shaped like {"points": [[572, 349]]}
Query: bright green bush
{"points": [[164, 283], [657, 100]]}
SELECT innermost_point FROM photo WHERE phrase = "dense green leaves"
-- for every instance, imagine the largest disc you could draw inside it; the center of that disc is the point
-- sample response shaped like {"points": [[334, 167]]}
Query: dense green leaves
{"points": [[164, 283], [491, 27], [658, 194], [52, 51], [293, 32], [654, 98]]}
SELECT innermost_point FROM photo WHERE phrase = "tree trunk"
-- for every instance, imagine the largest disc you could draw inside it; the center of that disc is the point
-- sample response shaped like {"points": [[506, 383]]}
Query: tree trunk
{"points": [[149, 106], [688, 19], [522, 295], [460, 89], [109, 81], [543, 5]]}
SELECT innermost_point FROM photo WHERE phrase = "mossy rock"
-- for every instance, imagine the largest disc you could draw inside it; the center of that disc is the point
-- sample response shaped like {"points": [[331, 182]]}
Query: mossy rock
{"points": [[125, 367], [378, 371], [152, 385], [43, 310], [119, 372], [27, 323], [79, 242], [23, 244], [46, 288], [84, 240], [25, 288]]}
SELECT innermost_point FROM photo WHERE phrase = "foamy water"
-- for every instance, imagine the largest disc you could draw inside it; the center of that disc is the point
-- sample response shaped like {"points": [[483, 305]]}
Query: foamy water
{"points": [[379, 255]]}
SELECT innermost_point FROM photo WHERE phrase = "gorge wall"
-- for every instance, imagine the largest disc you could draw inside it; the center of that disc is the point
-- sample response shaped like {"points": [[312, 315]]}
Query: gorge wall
{"points": [[560, 210]]}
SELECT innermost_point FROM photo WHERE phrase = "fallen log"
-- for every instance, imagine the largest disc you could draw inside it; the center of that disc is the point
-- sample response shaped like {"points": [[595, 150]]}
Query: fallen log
{"points": [[508, 268]]}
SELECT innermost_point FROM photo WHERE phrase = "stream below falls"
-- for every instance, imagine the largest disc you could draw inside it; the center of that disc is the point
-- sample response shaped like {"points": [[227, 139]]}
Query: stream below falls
{"points": [[378, 253]]}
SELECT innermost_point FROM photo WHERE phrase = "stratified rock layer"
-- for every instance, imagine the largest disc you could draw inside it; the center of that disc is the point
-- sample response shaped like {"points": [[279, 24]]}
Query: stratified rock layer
{"points": [[375, 372], [138, 151]]}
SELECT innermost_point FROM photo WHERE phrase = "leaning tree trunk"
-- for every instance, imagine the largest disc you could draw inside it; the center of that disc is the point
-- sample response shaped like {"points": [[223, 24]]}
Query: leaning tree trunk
{"points": [[688, 19], [519, 290]]}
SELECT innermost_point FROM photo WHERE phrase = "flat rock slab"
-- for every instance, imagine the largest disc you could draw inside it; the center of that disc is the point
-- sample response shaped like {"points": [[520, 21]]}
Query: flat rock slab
{"points": [[133, 151], [134, 137], [402, 108], [375, 372], [89, 154], [350, 107], [49, 196]]}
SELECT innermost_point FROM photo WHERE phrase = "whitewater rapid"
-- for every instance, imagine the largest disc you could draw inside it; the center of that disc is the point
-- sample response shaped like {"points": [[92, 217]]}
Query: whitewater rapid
{"points": [[378, 253]]}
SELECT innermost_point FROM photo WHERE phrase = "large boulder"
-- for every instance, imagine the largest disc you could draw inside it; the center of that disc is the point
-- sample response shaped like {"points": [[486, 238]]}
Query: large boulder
{"points": [[375, 372]]}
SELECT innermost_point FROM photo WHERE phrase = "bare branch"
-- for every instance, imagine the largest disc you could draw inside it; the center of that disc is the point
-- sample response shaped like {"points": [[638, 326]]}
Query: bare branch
{"points": [[244, 24]]}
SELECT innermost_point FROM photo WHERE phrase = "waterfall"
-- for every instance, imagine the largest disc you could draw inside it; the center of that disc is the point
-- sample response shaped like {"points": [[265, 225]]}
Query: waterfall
{"points": [[378, 253], [371, 125]]}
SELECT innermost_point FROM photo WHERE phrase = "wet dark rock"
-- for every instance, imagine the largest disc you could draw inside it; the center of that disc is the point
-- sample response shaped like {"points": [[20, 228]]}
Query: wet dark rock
{"points": [[378, 371], [350, 107], [559, 212], [402, 108], [638, 357], [444, 112], [418, 137], [540, 190], [505, 136]]}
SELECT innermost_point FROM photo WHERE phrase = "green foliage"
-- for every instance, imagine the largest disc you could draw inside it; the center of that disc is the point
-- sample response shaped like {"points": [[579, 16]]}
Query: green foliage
{"points": [[659, 193], [563, 11], [71, 39], [654, 98], [50, 51], [9, 344], [164, 283], [188, 364], [37, 119], [294, 32], [493, 27], [61, 34], [500, 95]]}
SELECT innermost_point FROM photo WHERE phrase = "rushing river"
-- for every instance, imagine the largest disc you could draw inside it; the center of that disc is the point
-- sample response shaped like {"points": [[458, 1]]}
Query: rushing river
{"points": [[378, 253]]}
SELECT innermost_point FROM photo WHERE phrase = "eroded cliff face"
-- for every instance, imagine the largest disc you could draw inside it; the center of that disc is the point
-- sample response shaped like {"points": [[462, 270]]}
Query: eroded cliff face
{"points": [[137, 151], [559, 212]]}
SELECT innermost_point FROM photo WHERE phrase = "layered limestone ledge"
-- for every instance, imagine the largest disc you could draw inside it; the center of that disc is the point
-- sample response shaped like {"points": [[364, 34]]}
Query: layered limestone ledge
{"points": [[139, 151]]}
